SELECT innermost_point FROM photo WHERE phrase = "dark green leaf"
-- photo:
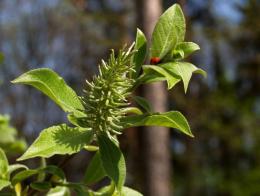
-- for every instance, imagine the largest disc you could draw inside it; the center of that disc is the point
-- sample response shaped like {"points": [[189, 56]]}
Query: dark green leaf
{"points": [[171, 119], [184, 70], [95, 170], [51, 84], [41, 186], [169, 30], [3, 165], [23, 175], [113, 161], [59, 139], [54, 170], [139, 56], [144, 103]]}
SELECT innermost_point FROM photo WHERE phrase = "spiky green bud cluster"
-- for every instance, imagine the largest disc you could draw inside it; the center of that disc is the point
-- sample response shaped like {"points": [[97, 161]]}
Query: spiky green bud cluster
{"points": [[106, 96]]}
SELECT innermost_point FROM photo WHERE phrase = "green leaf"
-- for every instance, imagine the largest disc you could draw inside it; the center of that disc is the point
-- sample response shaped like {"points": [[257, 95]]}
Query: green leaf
{"points": [[3, 165], [170, 78], [144, 103], [59, 139], [15, 167], [95, 170], [41, 186], [24, 175], [54, 170], [126, 191], [139, 56], [183, 70], [169, 30], [52, 85], [113, 161], [132, 110], [171, 119], [187, 48], [59, 191], [4, 183]]}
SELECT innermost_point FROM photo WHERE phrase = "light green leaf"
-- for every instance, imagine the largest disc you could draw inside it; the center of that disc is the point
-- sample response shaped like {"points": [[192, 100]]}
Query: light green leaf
{"points": [[52, 85], [59, 139], [15, 167], [3, 165], [132, 110], [170, 78], [169, 30], [183, 70], [139, 56], [187, 48], [24, 175], [113, 161], [4, 183], [95, 170], [171, 119], [59, 191], [144, 103], [126, 191]]}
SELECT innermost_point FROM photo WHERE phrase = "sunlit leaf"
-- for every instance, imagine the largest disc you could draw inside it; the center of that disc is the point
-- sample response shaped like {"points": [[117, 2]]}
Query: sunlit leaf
{"points": [[3, 165], [59, 191], [4, 183], [170, 78], [59, 139], [171, 119], [169, 30], [187, 48], [51, 84], [183, 70], [139, 56]]}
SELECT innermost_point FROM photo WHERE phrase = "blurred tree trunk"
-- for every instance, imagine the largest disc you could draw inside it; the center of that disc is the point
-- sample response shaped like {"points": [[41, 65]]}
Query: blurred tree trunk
{"points": [[155, 140]]}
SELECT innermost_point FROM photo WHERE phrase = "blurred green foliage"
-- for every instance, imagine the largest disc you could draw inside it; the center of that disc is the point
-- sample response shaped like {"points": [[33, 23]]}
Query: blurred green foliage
{"points": [[9, 140]]}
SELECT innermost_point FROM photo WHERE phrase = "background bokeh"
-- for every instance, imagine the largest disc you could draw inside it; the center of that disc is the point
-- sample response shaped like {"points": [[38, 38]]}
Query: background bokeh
{"points": [[71, 36]]}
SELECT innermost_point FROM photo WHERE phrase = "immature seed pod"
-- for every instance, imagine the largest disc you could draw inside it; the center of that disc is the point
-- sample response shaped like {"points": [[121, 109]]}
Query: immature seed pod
{"points": [[155, 60]]}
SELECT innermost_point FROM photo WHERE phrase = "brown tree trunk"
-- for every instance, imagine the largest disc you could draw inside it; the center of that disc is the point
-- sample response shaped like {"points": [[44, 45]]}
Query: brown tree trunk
{"points": [[155, 140]]}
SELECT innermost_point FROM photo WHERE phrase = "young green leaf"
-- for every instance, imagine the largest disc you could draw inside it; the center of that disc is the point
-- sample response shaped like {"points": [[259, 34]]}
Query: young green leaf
{"points": [[183, 70], [171, 119], [132, 110], [4, 183], [126, 191], [59, 139], [59, 191], [113, 161], [144, 103], [170, 78], [139, 57], [3, 165], [52, 85], [15, 167], [169, 30], [187, 48], [95, 170]]}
